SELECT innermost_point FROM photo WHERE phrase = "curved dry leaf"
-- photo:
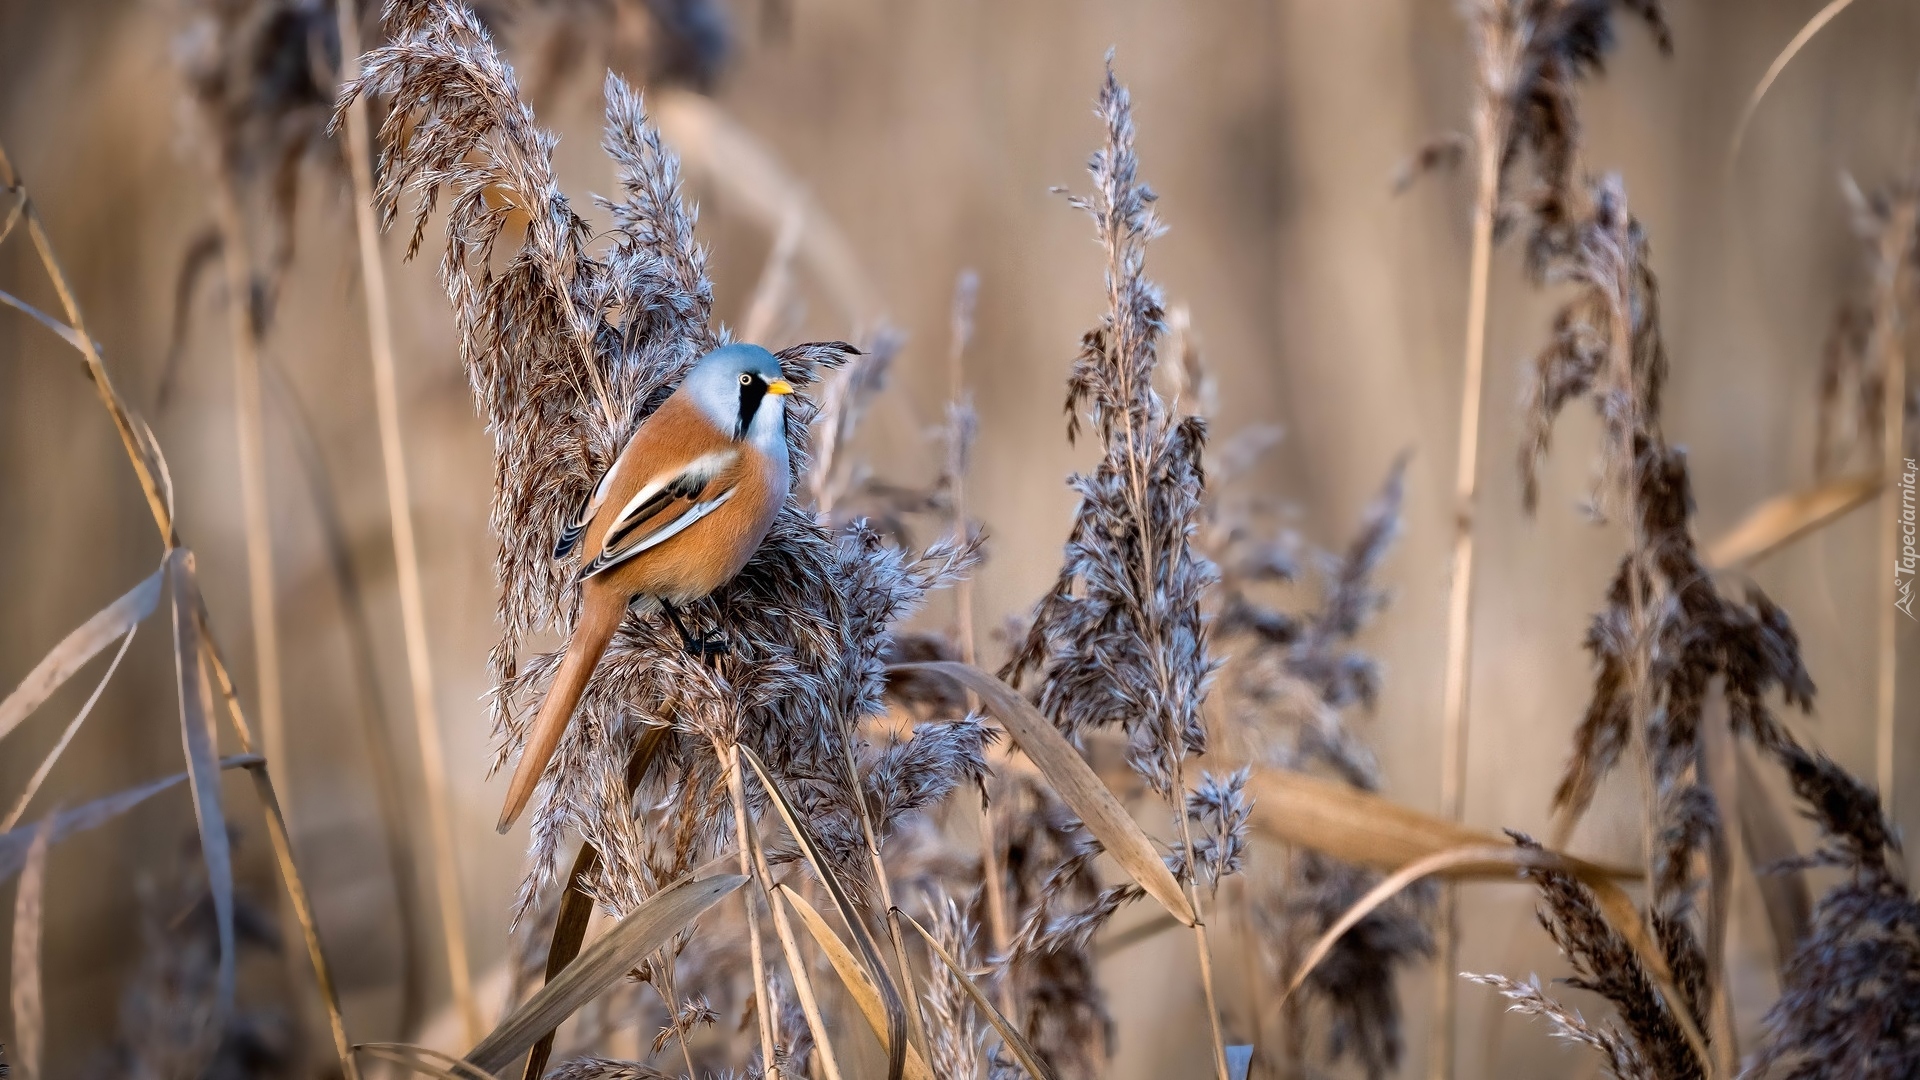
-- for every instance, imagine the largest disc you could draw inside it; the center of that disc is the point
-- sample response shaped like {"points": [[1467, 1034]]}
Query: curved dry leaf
{"points": [[425, 1060], [24, 995], [1785, 518], [15, 844], [83, 644], [1362, 828], [200, 742], [852, 975], [869, 949], [1613, 901], [602, 964], [60, 745], [1074, 780], [1029, 1058], [1813, 26]]}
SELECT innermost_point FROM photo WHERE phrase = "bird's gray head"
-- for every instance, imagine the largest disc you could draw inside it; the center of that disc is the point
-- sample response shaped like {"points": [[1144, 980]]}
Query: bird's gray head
{"points": [[741, 390]]}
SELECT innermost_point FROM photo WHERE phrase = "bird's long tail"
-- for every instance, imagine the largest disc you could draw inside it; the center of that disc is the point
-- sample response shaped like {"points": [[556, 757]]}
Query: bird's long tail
{"points": [[599, 618]]}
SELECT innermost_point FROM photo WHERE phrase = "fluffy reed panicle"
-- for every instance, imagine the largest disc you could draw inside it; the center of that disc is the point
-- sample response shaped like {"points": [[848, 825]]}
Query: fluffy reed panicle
{"points": [[260, 73], [1604, 963], [1293, 679], [168, 1016], [1852, 386], [1531, 57], [1526, 999], [953, 1025], [653, 42], [1047, 862], [1120, 639], [1696, 633], [568, 348], [1850, 1005]]}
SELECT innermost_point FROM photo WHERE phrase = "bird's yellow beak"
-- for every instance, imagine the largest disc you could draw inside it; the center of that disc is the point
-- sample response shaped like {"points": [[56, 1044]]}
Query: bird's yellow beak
{"points": [[779, 387]]}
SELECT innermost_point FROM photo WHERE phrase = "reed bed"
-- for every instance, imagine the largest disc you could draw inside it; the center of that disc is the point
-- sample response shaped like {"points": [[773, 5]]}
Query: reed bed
{"points": [[848, 847]]}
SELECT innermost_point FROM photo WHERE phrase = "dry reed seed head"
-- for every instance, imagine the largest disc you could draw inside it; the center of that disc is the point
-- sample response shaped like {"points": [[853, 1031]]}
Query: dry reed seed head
{"points": [[168, 1020], [1697, 635], [1220, 809], [653, 42], [1355, 987], [1120, 639], [1531, 57], [1047, 866], [260, 74], [957, 1036], [1852, 383], [1606, 964], [1605, 255], [1623, 1060], [1850, 1003]]}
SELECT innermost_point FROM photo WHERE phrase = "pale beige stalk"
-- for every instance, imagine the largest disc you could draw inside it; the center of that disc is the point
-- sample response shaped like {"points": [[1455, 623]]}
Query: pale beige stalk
{"points": [[1495, 50], [763, 997], [1896, 247], [251, 435], [406, 556]]}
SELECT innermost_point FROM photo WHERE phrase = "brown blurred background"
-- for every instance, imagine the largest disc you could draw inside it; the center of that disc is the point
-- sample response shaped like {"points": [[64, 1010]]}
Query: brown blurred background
{"points": [[928, 134]]}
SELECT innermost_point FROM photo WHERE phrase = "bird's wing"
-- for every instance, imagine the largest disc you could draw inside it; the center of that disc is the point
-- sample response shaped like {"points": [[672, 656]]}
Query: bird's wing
{"points": [[571, 532], [664, 507]]}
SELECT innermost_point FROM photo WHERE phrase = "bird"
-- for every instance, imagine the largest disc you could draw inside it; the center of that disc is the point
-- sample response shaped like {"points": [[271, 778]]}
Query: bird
{"points": [[686, 503]]}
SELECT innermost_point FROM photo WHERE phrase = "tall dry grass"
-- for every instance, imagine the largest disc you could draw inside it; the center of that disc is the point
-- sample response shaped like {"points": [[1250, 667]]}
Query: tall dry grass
{"points": [[770, 864]]}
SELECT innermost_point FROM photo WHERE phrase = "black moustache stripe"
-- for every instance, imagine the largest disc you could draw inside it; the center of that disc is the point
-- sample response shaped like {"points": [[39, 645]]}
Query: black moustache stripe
{"points": [[750, 396]]}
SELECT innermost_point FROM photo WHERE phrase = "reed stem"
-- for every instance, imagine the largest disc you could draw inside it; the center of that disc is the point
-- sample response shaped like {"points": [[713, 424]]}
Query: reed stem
{"points": [[1896, 246], [762, 993], [1459, 662], [406, 557]]}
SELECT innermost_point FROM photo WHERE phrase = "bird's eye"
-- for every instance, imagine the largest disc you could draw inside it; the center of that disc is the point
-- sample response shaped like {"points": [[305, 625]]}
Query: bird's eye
{"points": [[746, 380]]}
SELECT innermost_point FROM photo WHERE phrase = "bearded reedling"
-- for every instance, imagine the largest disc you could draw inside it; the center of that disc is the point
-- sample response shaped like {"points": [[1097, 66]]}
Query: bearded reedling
{"points": [[682, 509]]}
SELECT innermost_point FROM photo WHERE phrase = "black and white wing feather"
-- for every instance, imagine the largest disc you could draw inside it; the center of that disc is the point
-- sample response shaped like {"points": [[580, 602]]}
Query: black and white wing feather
{"points": [[662, 509]]}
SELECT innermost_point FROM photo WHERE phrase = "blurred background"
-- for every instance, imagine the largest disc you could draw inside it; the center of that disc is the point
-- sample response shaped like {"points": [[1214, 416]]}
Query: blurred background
{"points": [[921, 140]]}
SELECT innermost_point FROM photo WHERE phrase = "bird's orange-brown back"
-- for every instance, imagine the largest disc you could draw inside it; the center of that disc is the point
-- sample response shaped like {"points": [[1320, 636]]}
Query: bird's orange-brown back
{"points": [[712, 550]]}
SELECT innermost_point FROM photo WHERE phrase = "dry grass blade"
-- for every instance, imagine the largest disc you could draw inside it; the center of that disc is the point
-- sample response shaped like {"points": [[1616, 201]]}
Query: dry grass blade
{"points": [[1611, 898], [15, 843], [147, 465], [1715, 765], [66, 332], [643, 930], [1813, 26], [1074, 780], [201, 743], [797, 969], [424, 1060], [852, 975], [1769, 843], [869, 949], [1030, 1059], [24, 995], [1785, 518], [78, 647], [279, 839], [60, 747], [1358, 827]]}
